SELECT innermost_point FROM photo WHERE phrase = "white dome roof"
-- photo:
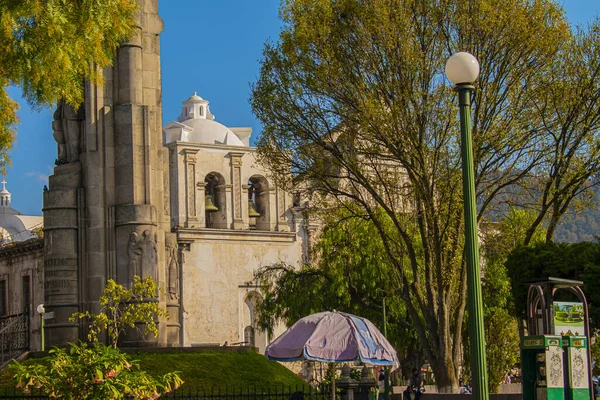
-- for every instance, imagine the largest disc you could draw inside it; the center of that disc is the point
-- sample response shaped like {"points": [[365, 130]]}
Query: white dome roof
{"points": [[207, 131], [196, 124]]}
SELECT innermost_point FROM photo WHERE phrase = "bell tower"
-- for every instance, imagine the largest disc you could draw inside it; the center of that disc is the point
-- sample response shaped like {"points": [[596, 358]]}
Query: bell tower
{"points": [[106, 213]]}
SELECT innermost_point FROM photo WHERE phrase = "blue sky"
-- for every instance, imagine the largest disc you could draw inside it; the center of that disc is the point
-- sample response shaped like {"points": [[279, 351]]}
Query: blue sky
{"points": [[211, 47]]}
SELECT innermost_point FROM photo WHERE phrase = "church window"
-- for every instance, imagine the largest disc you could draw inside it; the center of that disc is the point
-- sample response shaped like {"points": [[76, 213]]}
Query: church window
{"points": [[26, 285], [249, 336], [3, 298], [215, 201], [258, 203]]}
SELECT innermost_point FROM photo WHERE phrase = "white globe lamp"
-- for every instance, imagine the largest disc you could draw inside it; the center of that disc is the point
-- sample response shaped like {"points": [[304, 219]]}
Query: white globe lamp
{"points": [[462, 68]]}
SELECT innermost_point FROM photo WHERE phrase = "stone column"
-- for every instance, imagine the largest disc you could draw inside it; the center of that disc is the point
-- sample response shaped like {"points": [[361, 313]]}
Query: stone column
{"points": [[236, 180], [201, 193], [282, 206], [190, 174], [107, 213], [62, 272]]}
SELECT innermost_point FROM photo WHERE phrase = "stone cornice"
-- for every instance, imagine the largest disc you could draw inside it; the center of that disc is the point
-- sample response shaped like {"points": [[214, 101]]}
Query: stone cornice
{"points": [[18, 248], [190, 145], [186, 234]]}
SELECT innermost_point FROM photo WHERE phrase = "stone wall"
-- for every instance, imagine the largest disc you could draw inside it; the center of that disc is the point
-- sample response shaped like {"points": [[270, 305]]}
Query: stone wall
{"points": [[21, 262]]}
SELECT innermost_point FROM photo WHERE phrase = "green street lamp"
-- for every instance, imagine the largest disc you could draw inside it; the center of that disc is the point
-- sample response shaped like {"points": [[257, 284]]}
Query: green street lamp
{"points": [[41, 310], [462, 69]]}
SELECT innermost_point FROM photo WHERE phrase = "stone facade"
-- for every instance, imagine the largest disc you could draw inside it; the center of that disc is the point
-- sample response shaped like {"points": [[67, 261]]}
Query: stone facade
{"points": [[230, 218], [22, 283]]}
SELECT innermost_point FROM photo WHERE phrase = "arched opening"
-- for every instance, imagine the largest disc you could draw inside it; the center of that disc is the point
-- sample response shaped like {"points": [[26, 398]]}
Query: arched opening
{"points": [[252, 335], [258, 203], [215, 204]]}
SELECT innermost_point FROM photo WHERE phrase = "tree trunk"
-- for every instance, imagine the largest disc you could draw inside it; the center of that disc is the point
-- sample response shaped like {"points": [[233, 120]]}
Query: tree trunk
{"points": [[445, 378]]}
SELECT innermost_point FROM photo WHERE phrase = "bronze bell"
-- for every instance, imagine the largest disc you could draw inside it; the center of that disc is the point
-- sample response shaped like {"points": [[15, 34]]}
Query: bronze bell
{"points": [[209, 204], [252, 212]]}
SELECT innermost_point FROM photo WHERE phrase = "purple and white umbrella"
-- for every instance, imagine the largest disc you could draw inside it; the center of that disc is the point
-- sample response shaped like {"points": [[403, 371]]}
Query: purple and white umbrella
{"points": [[333, 336]]}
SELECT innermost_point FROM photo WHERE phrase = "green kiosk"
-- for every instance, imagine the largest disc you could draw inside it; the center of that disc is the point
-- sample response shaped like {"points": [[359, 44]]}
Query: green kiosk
{"points": [[556, 364], [542, 366]]}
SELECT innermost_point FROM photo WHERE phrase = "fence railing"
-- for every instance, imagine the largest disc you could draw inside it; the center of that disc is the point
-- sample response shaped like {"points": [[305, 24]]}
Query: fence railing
{"points": [[14, 336], [229, 393]]}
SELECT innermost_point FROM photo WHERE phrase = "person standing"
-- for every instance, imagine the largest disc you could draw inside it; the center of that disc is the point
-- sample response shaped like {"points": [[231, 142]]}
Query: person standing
{"points": [[417, 383]]}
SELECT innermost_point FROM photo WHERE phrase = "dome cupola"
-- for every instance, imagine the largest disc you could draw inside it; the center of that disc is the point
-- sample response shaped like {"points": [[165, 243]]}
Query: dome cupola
{"points": [[4, 196], [195, 108]]}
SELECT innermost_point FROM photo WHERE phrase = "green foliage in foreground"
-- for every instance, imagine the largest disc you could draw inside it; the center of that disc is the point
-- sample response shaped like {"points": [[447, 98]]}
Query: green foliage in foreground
{"points": [[201, 370], [122, 308], [98, 372]]}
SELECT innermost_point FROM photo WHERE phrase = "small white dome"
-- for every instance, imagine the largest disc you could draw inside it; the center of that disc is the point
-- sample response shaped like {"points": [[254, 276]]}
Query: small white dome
{"points": [[196, 124], [212, 132]]}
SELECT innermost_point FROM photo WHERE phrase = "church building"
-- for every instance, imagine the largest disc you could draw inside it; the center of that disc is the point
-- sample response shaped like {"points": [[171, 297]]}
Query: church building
{"points": [[230, 219]]}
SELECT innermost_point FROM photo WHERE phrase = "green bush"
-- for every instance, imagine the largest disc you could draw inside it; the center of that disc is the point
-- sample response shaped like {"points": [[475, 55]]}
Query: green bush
{"points": [[562, 315], [92, 372]]}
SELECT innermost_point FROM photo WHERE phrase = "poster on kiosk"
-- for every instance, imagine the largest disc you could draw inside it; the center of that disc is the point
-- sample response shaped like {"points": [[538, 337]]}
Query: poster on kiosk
{"points": [[568, 319]]}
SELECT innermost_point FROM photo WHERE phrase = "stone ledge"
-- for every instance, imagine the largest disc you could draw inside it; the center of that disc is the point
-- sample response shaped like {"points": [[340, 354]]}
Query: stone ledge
{"points": [[16, 248], [194, 234]]}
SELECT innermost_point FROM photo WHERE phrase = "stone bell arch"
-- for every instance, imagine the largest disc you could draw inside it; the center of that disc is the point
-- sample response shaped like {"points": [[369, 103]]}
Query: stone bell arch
{"points": [[106, 210]]}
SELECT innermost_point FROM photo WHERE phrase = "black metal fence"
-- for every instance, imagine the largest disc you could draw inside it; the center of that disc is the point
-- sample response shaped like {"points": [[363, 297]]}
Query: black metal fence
{"points": [[229, 392], [14, 336]]}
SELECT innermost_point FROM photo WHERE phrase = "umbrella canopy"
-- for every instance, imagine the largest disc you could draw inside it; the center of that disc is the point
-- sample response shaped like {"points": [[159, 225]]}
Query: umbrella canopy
{"points": [[333, 336]]}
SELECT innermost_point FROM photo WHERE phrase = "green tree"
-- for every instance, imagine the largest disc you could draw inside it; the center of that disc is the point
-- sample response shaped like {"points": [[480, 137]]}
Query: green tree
{"points": [[577, 261], [48, 48], [121, 308], [355, 107], [568, 105], [350, 273], [91, 372]]}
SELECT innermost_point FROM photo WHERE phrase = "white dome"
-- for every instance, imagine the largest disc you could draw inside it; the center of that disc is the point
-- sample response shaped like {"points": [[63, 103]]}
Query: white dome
{"points": [[196, 124], [207, 131]]}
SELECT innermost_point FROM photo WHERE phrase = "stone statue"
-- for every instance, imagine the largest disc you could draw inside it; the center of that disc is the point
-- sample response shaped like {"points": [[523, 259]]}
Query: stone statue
{"points": [[134, 252], [68, 127], [173, 265], [149, 256], [142, 254]]}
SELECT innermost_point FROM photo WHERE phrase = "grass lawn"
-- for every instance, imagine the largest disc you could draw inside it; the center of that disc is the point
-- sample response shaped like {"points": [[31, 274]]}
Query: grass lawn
{"points": [[219, 369], [207, 369]]}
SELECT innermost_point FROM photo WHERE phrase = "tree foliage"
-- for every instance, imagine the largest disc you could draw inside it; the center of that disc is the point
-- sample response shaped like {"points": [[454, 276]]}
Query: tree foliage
{"points": [[48, 48], [121, 308], [355, 107], [99, 371], [577, 261], [92, 372], [350, 273], [567, 105]]}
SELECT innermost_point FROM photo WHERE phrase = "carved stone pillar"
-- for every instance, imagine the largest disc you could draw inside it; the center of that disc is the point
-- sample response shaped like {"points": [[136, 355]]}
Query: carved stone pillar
{"points": [[106, 213], [282, 206], [201, 193], [273, 217], [245, 217], [63, 213], [190, 175], [236, 179]]}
